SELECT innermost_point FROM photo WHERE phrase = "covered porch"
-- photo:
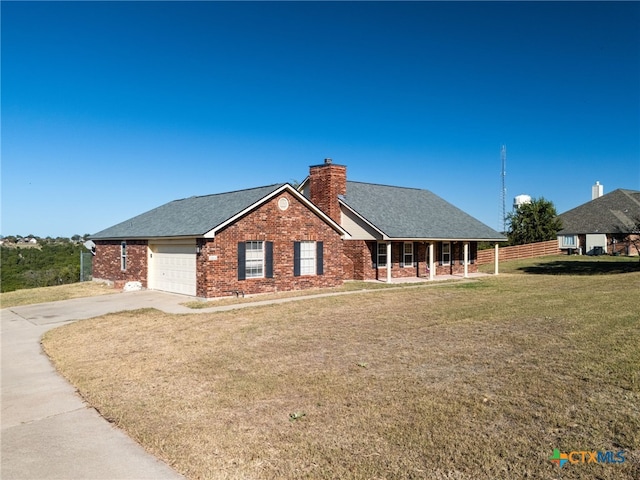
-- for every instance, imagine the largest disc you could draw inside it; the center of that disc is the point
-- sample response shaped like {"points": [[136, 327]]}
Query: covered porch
{"points": [[411, 260]]}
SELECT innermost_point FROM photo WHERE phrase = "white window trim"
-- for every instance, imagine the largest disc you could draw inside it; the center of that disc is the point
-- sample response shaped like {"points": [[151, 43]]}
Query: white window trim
{"points": [[573, 244], [378, 255], [254, 259], [448, 253], [123, 256], [404, 254], [308, 258]]}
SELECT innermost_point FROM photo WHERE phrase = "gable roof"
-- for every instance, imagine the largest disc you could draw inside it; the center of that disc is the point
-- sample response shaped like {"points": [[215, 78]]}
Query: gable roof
{"points": [[615, 212], [201, 216], [405, 213]]}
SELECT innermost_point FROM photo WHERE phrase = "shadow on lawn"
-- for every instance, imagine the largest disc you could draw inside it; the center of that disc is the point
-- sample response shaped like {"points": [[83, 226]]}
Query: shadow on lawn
{"points": [[593, 267]]}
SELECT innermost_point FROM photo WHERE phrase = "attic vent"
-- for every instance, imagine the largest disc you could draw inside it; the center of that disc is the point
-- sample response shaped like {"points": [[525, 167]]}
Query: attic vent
{"points": [[283, 203], [327, 161]]}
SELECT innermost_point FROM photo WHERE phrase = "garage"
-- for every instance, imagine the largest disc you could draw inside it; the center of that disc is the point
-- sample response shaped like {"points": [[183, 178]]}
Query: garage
{"points": [[172, 268]]}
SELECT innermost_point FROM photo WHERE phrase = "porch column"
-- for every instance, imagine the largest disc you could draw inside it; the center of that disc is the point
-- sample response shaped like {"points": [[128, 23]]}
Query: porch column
{"points": [[495, 259], [466, 259], [432, 263], [389, 262]]}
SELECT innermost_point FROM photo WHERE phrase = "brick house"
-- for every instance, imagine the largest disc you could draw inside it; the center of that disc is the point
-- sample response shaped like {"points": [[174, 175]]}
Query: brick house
{"points": [[608, 224], [278, 238], [412, 231]]}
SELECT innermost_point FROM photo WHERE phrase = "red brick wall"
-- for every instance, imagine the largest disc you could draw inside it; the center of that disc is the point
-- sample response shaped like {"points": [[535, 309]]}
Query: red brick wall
{"points": [[358, 254], [107, 266], [268, 223], [326, 182], [624, 247]]}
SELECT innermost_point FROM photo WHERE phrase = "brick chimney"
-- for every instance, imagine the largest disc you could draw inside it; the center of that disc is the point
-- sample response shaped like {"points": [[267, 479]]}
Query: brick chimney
{"points": [[326, 182]]}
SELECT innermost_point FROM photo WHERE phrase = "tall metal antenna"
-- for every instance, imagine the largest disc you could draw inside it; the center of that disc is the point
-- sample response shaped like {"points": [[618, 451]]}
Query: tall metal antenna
{"points": [[503, 193]]}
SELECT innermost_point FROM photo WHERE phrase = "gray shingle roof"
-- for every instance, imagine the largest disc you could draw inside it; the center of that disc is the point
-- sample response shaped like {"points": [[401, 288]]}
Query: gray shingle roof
{"points": [[414, 213], [615, 212], [192, 216]]}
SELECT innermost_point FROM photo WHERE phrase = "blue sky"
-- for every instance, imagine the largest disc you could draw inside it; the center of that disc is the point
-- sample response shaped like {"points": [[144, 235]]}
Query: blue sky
{"points": [[111, 109]]}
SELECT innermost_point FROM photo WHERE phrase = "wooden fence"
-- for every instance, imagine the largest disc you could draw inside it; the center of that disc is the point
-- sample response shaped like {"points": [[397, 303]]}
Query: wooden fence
{"points": [[515, 252]]}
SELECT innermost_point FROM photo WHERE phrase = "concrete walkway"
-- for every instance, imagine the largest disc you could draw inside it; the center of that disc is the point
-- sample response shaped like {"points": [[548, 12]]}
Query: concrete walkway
{"points": [[48, 432]]}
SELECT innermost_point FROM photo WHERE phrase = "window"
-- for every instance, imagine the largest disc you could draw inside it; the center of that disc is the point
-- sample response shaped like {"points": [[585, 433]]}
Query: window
{"points": [[254, 260], [382, 255], [308, 258], [407, 257], [569, 241], [446, 253], [123, 256]]}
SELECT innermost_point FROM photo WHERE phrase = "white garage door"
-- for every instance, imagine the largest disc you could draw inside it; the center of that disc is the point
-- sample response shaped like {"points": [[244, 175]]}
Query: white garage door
{"points": [[173, 268]]}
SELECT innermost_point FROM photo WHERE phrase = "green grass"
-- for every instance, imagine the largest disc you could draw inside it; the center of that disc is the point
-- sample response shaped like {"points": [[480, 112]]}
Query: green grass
{"points": [[568, 265]]}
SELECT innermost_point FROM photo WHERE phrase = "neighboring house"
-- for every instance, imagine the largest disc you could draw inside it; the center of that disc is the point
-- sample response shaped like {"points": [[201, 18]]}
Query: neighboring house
{"points": [[278, 238], [602, 225]]}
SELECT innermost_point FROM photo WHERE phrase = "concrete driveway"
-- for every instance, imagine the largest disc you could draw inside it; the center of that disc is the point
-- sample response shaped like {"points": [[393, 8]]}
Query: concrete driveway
{"points": [[48, 432]]}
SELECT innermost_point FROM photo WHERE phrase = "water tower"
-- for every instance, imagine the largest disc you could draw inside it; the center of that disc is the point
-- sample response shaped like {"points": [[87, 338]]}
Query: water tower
{"points": [[520, 200]]}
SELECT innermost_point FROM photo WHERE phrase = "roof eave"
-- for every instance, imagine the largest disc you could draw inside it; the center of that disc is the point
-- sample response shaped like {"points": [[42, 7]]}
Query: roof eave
{"points": [[442, 239], [212, 233], [147, 237]]}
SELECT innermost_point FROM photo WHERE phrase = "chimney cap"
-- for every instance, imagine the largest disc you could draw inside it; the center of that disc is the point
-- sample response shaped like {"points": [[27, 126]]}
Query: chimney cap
{"points": [[328, 162]]}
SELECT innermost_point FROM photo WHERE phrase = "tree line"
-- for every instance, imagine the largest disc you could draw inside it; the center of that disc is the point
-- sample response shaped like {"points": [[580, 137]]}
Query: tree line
{"points": [[42, 265]]}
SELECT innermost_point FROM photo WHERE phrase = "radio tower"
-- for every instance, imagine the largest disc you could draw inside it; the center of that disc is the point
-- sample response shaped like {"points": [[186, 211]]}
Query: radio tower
{"points": [[503, 193]]}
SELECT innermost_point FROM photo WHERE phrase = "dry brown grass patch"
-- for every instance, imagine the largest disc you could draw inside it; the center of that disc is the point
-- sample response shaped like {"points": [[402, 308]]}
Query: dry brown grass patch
{"points": [[479, 380], [31, 296]]}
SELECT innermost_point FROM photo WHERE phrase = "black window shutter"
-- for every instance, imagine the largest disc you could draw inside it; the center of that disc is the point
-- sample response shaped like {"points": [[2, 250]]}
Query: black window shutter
{"points": [[242, 272], [401, 261], [319, 258], [268, 259], [296, 259], [439, 254]]}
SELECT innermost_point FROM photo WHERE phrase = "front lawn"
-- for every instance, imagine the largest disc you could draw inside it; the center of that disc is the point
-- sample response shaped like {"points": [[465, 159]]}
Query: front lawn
{"points": [[474, 380]]}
